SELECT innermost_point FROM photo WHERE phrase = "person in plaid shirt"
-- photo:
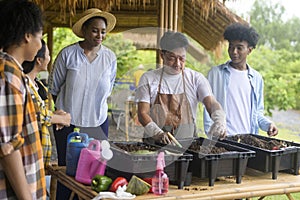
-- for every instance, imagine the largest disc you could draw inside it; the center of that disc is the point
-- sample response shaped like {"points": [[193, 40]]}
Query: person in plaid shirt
{"points": [[22, 174], [43, 100]]}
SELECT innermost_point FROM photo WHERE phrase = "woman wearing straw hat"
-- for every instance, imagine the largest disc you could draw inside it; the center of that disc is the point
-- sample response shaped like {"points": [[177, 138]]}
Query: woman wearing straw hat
{"points": [[82, 79]]}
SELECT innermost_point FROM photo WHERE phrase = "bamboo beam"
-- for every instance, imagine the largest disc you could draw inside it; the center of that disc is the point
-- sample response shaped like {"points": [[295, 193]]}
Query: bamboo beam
{"points": [[272, 188], [251, 194], [255, 184]]}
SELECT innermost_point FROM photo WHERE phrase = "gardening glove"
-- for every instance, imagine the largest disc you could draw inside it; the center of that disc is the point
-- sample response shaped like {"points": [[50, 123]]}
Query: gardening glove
{"points": [[152, 130], [218, 128], [162, 138]]}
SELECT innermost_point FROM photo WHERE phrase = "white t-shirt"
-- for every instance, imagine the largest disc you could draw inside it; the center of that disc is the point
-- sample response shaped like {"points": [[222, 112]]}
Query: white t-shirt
{"points": [[238, 102], [196, 86]]}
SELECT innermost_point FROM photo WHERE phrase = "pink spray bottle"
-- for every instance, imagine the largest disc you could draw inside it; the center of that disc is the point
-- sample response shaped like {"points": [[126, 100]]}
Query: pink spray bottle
{"points": [[160, 181]]}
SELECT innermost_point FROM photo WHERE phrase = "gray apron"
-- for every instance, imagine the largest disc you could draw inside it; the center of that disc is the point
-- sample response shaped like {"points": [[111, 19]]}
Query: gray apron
{"points": [[172, 113]]}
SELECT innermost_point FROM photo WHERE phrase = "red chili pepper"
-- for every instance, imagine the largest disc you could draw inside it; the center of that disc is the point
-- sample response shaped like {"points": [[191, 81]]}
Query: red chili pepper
{"points": [[149, 180], [120, 181]]}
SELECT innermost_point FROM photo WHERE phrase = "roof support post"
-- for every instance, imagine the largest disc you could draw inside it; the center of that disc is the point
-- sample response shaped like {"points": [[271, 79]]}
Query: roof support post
{"points": [[50, 45], [168, 20]]}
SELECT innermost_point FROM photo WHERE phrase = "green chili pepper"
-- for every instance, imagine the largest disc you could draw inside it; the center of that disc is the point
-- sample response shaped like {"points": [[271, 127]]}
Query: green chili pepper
{"points": [[100, 183]]}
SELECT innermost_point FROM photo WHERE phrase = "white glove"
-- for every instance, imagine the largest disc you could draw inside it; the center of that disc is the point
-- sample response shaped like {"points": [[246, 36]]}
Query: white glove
{"points": [[218, 128], [152, 129]]}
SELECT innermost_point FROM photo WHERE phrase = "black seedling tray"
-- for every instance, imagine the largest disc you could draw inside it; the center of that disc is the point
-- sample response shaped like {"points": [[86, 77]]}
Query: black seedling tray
{"points": [[126, 164], [284, 159], [210, 165]]}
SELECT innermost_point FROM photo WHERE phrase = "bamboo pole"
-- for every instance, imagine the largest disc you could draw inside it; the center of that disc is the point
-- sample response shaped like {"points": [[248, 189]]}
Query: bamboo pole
{"points": [[162, 14], [127, 117], [50, 45], [175, 16], [166, 14], [53, 184], [289, 196], [180, 15], [249, 194], [250, 191], [253, 186], [170, 14], [160, 31]]}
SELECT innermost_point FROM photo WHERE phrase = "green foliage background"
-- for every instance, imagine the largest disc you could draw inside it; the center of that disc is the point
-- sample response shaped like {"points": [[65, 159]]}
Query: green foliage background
{"points": [[277, 56]]}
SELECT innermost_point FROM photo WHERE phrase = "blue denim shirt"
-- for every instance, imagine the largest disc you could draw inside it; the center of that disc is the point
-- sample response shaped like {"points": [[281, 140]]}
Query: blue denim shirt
{"points": [[218, 78]]}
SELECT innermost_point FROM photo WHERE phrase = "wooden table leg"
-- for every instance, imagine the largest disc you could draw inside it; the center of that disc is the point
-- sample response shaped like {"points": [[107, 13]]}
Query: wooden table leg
{"points": [[289, 196], [127, 120], [72, 196], [53, 183]]}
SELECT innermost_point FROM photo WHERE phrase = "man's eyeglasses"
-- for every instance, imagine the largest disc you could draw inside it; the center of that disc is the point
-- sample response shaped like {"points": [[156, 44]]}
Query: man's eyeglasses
{"points": [[171, 57]]}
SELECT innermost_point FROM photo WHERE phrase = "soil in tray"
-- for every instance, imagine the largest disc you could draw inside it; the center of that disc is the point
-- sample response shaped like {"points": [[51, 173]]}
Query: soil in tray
{"points": [[207, 149], [258, 142], [136, 147], [196, 146]]}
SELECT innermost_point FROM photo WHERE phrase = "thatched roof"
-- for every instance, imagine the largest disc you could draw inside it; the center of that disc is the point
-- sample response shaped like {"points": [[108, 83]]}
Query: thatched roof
{"points": [[146, 39], [207, 29], [203, 20]]}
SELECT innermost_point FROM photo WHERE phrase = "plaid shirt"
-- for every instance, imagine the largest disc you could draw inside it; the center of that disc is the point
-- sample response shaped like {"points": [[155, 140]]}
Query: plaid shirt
{"points": [[44, 115], [19, 129]]}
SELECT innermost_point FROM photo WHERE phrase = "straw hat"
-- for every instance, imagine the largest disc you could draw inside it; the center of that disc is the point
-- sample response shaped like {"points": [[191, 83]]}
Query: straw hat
{"points": [[94, 12]]}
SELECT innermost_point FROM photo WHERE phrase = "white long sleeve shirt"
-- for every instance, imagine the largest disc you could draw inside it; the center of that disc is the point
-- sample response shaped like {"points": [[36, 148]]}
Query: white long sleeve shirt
{"points": [[82, 87]]}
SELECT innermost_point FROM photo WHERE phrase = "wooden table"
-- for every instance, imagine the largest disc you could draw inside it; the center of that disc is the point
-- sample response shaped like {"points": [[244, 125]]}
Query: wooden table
{"points": [[59, 174], [254, 184]]}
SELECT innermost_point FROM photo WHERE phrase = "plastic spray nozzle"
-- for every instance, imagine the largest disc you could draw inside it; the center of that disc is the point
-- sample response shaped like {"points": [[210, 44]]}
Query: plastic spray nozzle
{"points": [[160, 164]]}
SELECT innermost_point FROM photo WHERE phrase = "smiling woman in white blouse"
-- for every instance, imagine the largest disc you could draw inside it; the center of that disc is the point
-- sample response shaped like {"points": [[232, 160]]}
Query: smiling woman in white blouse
{"points": [[82, 79]]}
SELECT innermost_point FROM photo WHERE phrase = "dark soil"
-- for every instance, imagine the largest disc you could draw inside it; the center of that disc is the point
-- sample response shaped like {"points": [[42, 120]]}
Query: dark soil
{"points": [[258, 142], [135, 147], [196, 146], [206, 149]]}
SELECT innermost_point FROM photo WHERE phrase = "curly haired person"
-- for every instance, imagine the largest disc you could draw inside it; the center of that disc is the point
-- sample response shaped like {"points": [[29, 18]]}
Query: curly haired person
{"points": [[238, 87], [22, 174]]}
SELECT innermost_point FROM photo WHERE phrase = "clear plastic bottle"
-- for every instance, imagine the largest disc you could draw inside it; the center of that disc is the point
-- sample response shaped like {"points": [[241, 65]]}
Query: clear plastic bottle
{"points": [[160, 181]]}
